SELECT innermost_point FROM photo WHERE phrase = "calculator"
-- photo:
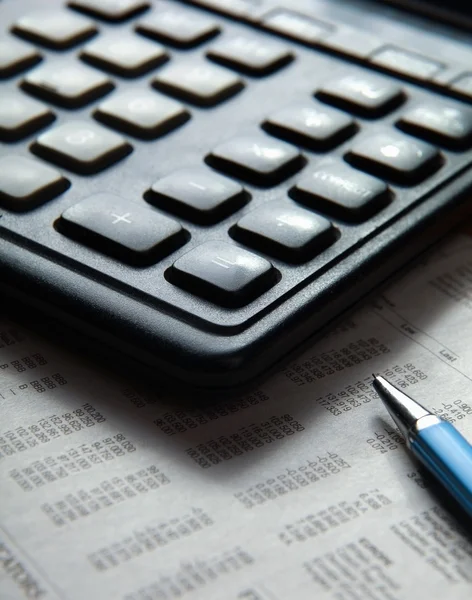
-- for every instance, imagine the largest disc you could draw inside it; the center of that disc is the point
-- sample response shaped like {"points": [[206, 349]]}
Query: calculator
{"points": [[198, 188]]}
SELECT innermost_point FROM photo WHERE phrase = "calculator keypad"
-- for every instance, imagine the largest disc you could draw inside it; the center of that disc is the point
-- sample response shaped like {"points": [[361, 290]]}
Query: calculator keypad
{"points": [[247, 142]]}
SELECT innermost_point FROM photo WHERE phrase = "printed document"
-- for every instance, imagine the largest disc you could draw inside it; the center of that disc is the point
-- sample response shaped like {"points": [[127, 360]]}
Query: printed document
{"points": [[299, 489]]}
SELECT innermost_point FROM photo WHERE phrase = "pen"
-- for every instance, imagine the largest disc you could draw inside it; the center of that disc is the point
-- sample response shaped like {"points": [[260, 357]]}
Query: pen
{"points": [[435, 442]]}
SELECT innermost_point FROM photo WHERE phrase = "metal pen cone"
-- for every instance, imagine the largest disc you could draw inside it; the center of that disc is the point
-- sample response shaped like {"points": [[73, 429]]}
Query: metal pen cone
{"points": [[404, 410]]}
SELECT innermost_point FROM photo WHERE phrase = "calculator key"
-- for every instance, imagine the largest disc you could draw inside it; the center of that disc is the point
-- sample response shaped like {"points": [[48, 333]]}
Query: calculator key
{"points": [[57, 29], [224, 274], [463, 85], [20, 116], [16, 56], [143, 113], [285, 231], [198, 194], [352, 42], [110, 10], [26, 183], [395, 156], [133, 233], [258, 159], [201, 83], [66, 83], [250, 55], [335, 188], [366, 95], [81, 146], [124, 54], [406, 63], [314, 125], [297, 26], [445, 124], [241, 9], [178, 27]]}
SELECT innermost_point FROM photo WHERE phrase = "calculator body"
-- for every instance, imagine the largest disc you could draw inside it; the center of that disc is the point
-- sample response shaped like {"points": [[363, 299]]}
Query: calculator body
{"points": [[161, 314]]}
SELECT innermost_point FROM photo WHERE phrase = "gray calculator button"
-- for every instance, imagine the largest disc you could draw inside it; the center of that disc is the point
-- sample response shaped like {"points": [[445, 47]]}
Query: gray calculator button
{"points": [[297, 26], [285, 231], [342, 192], [241, 9], [21, 116], [16, 56], [66, 83], [223, 273], [180, 28], [198, 194], [259, 159], [352, 42], [110, 10], [405, 62], [446, 124], [463, 85], [250, 55], [367, 95], [132, 232], [314, 125], [81, 146], [199, 82], [57, 29], [395, 156], [124, 54], [143, 113], [26, 183]]}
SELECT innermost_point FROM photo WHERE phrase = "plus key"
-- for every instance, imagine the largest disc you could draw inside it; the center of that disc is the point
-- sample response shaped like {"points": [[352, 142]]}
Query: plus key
{"points": [[133, 233]]}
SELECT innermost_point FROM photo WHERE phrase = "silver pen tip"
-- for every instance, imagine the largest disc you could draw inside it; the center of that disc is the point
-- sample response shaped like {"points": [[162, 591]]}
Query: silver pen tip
{"points": [[404, 410]]}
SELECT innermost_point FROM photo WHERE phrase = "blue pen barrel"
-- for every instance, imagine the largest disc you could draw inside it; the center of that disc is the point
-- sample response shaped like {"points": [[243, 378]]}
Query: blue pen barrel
{"points": [[443, 450]]}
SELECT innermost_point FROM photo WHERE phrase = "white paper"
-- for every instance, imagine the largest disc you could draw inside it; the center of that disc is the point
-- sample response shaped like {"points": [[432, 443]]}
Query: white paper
{"points": [[301, 489]]}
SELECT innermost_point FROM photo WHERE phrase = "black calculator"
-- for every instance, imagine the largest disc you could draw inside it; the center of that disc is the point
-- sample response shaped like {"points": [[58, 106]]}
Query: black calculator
{"points": [[197, 188]]}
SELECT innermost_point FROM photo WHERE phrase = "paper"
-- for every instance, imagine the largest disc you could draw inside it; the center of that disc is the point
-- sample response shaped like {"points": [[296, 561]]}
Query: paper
{"points": [[301, 489]]}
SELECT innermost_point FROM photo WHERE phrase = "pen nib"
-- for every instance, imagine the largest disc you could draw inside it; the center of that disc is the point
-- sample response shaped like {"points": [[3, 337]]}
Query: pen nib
{"points": [[404, 410]]}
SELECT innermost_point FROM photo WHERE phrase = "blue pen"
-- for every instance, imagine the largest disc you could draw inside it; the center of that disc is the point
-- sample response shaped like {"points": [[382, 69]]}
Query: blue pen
{"points": [[435, 442]]}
